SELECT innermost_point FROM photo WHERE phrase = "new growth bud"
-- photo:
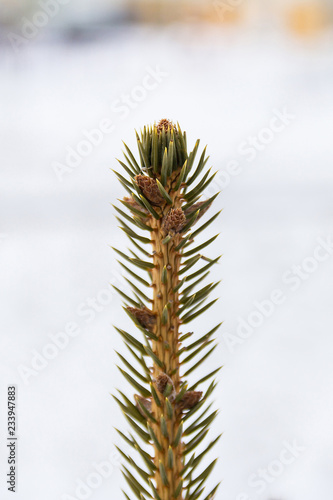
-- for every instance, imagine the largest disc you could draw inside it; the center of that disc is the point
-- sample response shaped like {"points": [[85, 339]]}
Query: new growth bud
{"points": [[150, 189], [165, 124], [165, 386], [145, 317], [146, 402], [189, 400], [174, 221]]}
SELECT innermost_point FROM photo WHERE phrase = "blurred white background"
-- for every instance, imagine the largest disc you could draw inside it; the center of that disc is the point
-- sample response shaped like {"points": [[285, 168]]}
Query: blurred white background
{"points": [[224, 78]]}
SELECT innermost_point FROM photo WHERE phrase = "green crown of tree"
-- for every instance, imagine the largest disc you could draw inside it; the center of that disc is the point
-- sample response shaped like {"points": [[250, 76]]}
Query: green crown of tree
{"points": [[162, 207]]}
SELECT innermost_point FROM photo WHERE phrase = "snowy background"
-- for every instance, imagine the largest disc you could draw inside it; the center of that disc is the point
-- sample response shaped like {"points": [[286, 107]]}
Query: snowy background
{"points": [[223, 86]]}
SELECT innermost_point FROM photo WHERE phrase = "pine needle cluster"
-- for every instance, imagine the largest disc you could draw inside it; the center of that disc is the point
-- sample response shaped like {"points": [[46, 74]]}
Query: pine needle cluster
{"points": [[169, 415]]}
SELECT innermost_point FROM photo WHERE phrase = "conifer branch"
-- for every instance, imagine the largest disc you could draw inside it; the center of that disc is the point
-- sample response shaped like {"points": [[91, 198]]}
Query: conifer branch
{"points": [[161, 212]]}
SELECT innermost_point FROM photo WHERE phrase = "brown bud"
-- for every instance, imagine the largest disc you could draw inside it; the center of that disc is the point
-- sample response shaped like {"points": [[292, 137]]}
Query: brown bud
{"points": [[189, 400], [162, 381], [145, 317], [174, 221], [165, 124], [144, 402], [134, 204], [194, 208], [149, 188]]}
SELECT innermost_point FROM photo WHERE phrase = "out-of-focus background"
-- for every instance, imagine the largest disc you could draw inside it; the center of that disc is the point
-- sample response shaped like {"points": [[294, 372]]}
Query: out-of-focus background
{"points": [[254, 81]]}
